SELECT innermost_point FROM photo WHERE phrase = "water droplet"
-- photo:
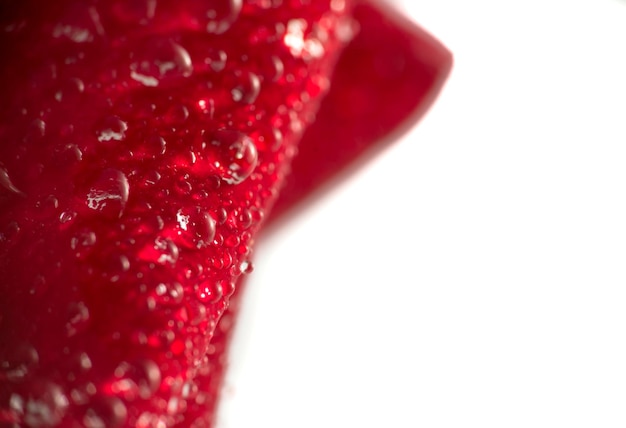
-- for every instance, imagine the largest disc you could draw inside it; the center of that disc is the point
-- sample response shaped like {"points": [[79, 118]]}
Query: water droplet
{"points": [[67, 217], [149, 224], [112, 128], [176, 114], [171, 293], [70, 91], [159, 60], [196, 311], [157, 145], [262, 34], [152, 147], [222, 261], [244, 219], [271, 68], [105, 412], [215, 16], [68, 155], [36, 131], [218, 241], [17, 362], [294, 38], [206, 106], [84, 362], [116, 265], [265, 4], [232, 241], [173, 405], [151, 178], [6, 184], [243, 250], [15, 409], [209, 291], [44, 405], [267, 139], [228, 287], [195, 228], [247, 88], [222, 216], [109, 193], [148, 419], [346, 28], [79, 24], [162, 251], [246, 267], [82, 242], [48, 206], [216, 59], [232, 155], [77, 318], [140, 379], [183, 186], [185, 159]]}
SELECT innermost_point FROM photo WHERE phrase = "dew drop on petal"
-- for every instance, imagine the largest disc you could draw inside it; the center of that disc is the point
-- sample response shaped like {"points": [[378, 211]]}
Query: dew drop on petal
{"points": [[195, 228], [70, 91], [83, 239], [247, 88], [36, 131], [246, 267], [216, 59], [176, 114], [5, 182], [67, 217], [156, 145], [206, 106], [68, 155], [265, 4], [109, 193], [267, 138], [196, 310], [17, 362], [47, 206], [80, 24], [162, 251], [232, 241], [77, 318], [136, 380], [115, 265], [45, 405], [271, 68], [160, 60], [149, 419], [216, 16], [112, 128], [105, 412], [209, 291], [294, 38], [228, 287], [83, 361], [152, 147], [232, 155]]}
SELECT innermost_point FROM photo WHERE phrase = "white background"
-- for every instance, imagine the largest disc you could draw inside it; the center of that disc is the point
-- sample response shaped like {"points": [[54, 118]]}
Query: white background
{"points": [[475, 273]]}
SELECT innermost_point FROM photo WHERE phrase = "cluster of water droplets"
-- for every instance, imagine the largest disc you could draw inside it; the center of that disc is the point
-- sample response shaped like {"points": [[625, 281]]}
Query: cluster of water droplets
{"points": [[144, 175]]}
